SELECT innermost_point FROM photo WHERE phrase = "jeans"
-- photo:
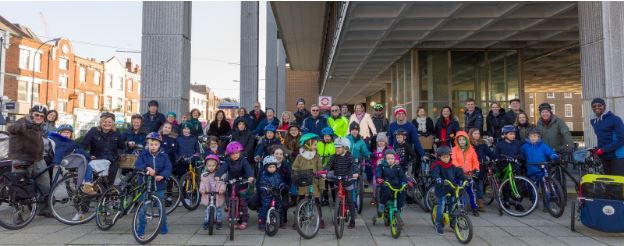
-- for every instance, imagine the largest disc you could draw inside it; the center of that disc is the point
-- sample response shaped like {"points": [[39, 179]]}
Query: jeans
{"points": [[219, 212], [440, 209], [88, 176], [163, 229], [471, 195]]}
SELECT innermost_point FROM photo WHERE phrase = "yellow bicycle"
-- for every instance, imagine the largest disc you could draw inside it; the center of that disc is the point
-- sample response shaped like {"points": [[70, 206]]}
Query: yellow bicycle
{"points": [[454, 214]]}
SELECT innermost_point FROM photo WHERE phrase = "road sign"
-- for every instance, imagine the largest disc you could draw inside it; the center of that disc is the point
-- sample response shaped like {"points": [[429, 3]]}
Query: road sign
{"points": [[10, 106], [228, 105], [325, 102]]}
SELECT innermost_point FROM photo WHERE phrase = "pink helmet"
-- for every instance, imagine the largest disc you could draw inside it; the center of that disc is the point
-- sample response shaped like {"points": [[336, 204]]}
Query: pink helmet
{"points": [[233, 147], [212, 157]]}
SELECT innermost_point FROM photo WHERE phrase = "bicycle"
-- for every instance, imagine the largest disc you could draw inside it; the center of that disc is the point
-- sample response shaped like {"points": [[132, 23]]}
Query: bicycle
{"points": [[189, 182], [422, 184], [553, 194], [117, 202], [342, 212], [517, 188], [358, 184], [392, 214], [234, 204], [212, 211], [491, 186], [454, 213], [273, 219], [307, 212]]}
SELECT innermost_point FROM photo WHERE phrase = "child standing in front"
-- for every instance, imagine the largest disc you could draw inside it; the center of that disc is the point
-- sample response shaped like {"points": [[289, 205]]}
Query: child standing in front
{"points": [[389, 171], [511, 148], [309, 160], [378, 157], [443, 169], [537, 152], [483, 152], [343, 164], [187, 147], [210, 184], [237, 167], [270, 179], [266, 143], [405, 151], [325, 150], [465, 157]]}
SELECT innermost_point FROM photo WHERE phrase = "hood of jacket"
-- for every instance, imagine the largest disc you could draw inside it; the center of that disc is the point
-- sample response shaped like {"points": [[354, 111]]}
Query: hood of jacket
{"points": [[465, 135]]}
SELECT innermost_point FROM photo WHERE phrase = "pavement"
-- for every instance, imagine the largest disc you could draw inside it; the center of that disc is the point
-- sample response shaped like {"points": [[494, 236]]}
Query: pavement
{"points": [[537, 228]]}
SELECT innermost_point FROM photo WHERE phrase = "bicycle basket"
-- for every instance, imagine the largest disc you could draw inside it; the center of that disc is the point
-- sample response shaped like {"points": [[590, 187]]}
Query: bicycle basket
{"points": [[580, 156], [4, 145], [73, 161], [100, 167], [127, 161], [303, 178]]}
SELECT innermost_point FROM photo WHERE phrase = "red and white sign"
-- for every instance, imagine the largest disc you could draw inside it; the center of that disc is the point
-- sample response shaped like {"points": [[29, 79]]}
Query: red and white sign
{"points": [[325, 102]]}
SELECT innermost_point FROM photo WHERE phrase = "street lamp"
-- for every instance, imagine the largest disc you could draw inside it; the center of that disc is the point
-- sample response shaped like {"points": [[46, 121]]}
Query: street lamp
{"points": [[32, 87]]}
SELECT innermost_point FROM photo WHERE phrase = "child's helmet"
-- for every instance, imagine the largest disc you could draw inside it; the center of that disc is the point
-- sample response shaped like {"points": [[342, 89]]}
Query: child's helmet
{"points": [[269, 160], [327, 131], [389, 152], [270, 128], [306, 137], [342, 142], [65, 127], [154, 136], [354, 126], [443, 150], [378, 106], [508, 128], [212, 157], [400, 131], [233, 147]]}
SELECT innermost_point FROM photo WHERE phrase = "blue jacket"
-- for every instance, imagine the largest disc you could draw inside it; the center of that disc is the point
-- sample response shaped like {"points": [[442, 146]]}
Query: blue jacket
{"points": [[393, 174], [484, 151], [537, 153], [445, 171], [187, 146], [358, 150], [284, 171], [260, 128], [152, 123], [169, 146], [63, 147], [264, 146], [510, 149], [311, 125], [609, 130], [412, 136], [103, 145], [236, 169], [273, 180], [138, 138], [159, 162]]}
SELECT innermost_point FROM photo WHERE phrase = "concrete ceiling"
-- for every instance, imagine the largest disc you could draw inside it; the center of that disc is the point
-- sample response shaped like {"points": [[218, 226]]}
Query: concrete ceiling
{"points": [[376, 34]]}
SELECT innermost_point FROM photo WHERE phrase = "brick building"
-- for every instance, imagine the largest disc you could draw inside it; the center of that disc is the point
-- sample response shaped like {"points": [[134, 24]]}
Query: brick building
{"points": [[301, 83], [86, 97], [568, 106], [133, 88]]}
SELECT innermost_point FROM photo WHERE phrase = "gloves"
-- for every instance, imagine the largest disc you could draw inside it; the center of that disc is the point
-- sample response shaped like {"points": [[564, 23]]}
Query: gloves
{"points": [[425, 158], [380, 181], [555, 158], [410, 184], [599, 152], [438, 181]]}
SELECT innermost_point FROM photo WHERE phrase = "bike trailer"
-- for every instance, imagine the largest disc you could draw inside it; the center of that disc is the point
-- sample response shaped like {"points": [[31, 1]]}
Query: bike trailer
{"points": [[602, 214], [73, 161], [4, 145], [609, 187], [100, 167]]}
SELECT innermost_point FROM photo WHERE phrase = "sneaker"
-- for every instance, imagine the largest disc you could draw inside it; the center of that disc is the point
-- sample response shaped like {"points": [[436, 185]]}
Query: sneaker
{"points": [[168, 202], [187, 201], [164, 230], [322, 225], [475, 212], [242, 226], [87, 188], [219, 225], [351, 224], [440, 229], [373, 202], [520, 208], [78, 217]]}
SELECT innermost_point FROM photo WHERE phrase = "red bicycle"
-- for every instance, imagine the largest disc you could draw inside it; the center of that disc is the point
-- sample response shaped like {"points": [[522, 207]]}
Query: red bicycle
{"points": [[234, 209], [342, 212]]}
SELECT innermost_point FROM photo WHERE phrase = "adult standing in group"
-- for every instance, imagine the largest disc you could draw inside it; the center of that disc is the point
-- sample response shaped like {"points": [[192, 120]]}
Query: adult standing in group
{"points": [[473, 116], [243, 116], [495, 121], [257, 115], [153, 120], [196, 126], [302, 113], [344, 110], [50, 121], [171, 118], [367, 127], [400, 114], [219, 127], [380, 121], [315, 123], [269, 119], [135, 135], [245, 137], [609, 131], [523, 126], [514, 110], [104, 142], [286, 119], [337, 122], [424, 126], [446, 127], [555, 133], [26, 148]]}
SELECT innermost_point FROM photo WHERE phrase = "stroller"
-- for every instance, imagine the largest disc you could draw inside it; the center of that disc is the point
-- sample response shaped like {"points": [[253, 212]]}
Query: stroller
{"points": [[600, 204]]}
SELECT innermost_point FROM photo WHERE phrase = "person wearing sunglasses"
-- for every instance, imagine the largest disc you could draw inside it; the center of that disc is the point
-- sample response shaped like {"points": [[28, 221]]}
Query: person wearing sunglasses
{"points": [[315, 123], [337, 122]]}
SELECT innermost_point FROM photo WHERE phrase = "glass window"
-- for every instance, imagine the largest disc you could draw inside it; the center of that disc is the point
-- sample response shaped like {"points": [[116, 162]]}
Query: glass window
{"points": [[553, 108], [130, 85], [110, 81], [63, 63], [96, 77], [568, 110], [35, 92], [550, 95], [108, 103], [567, 95], [503, 84], [62, 106], [120, 103], [81, 99], [96, 102], [63, 81], [120, 83], [22, 91], [129, 107], [433, 67], [37, 62], [83, 74], [532, 110], [24, 59], [570, 125], [466, 70]]}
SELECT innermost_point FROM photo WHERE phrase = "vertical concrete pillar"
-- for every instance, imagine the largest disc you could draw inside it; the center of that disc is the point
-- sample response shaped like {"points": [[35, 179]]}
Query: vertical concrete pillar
{"points": [[249, 54], [602, 58], [166, 55], [270, 72], [281, 77]]}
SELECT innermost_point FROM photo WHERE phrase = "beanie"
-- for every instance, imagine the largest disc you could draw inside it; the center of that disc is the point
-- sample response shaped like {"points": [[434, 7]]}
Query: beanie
{"points": [[598, 100]]}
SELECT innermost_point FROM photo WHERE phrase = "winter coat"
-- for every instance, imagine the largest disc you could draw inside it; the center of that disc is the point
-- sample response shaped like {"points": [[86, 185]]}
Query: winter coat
{"points": [[153, 122], [342, 165], [292, 146], [25, 140], [219, 131], [609, 131], [535, 154], [378, 157], [315, 165], [248, 122], [264, 146], [235, 170], [325, 151], [473, 120], [405, 154], [209, 184], [466, 159], [159, 162], [367, 127], [445, 171], [451, 129], [522, 132], [169, 146], [381, 123], [556, 134], [137, 137], [358, 148], [284, 171], [273, 180], [495, 124], [393, 174], [247, 139], [256, 120], [64, 146], [339, 125], [483, 152], [260, 126], [510, 116], [314, 125], [187, 146], [103, 145], [412, 136], [196, 127], [511, 149], [428, 125], [301, 115]]}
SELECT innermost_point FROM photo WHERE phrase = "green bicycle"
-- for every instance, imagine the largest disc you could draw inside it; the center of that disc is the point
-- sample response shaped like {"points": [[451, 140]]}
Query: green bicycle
{"points": [[392, 214], [454, 214], [517, 191]]}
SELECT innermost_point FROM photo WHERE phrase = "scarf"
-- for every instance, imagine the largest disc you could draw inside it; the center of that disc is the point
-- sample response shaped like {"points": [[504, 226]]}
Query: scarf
{"points": [[422, 124], [308, 155], [495, 114], [359, 116]]}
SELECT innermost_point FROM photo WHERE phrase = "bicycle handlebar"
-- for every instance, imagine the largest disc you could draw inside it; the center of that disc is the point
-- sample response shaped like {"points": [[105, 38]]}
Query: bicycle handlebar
{"points": [[454, 186], [394, 189]]}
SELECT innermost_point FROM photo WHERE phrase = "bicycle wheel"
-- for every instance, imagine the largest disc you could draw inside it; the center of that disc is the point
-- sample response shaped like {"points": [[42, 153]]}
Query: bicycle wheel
{"points": [[430, 198], [173, 194], [211, 219], [433, 215], [417, 194], [148, 219], [490, 188], [69, 205], [518, 202], [573, 216], [463, 229], [272, 222], [396, 225], [308, 219], [339, 222], [15, 214], [360, 195], [190, 192], [233, 218], [555, 202], [109, 208]]}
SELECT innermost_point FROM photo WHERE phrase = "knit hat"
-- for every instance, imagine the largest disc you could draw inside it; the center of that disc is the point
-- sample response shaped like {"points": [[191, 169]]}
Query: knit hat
{"points": [[389, 152], [152, 103], [300, 100], [381, 137], [545, 106], [186, 125], [354, 126], [399, 110], [172, 114], [598, 100]]}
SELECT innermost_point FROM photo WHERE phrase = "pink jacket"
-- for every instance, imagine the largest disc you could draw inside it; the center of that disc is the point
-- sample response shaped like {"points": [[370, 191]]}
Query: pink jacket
{"points": [[208, 184]]}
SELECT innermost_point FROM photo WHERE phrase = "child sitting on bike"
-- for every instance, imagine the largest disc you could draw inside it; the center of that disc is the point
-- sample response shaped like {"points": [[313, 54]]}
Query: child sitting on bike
{"points": [[269, 178], [465, 157], [343, 164], [213, 147], [65, 145], [155, 163], [309, 160], [210, 184], [405, 151], [483, 152], [536, 152], [389, 171], [237, 167], [443, 169], [188, 146], [266, 143], [509, 147], [377, 157], [325, 150]]}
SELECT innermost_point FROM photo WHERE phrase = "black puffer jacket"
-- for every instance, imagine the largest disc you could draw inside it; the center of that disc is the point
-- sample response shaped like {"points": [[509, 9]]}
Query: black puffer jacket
{"points": [[25, 141], [342, 165], [246, 138], [103, 145], [495, 124]]}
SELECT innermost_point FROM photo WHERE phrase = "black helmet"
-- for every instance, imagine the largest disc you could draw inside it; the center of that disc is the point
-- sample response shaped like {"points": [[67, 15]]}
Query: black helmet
{"points": [[39, 108], [152, 103], [400, 131], [443, 150], [107, 115], [545, 106], [354, 126]]}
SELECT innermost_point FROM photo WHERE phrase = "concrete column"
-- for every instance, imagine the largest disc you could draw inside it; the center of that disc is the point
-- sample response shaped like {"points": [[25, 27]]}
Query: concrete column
{"points": [[281, 77], [4, 45], [166, 55], [270, 72], [249, 54], [602, 58]]}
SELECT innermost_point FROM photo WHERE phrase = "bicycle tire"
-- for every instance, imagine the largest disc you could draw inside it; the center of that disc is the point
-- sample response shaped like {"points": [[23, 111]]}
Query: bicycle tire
{"points": [[526, 183], [462, 222], [33, 206], [233, 219], [430, 198], [417, 195], [191, 197], [573, 216], [489, 191], [272, 222], [76, 198], [303, 206], [153, 200], [360, 195], [339, 221], [557, 199], [396, 225], [211, 219], [109, 206], [175, 185]]}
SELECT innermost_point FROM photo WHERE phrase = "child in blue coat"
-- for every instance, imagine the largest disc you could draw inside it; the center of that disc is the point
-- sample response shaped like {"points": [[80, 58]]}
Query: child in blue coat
{"points": [[266, 143], [188, 146], [269, 178], [443, 169], [389, 171]]}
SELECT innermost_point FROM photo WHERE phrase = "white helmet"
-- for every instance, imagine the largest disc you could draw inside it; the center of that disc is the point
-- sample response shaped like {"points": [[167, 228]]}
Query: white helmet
{"points": [[342, 142], [269, 160]]}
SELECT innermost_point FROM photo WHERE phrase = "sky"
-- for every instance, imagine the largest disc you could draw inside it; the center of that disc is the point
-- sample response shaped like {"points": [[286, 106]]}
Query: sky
{"points": [[102, 29]]}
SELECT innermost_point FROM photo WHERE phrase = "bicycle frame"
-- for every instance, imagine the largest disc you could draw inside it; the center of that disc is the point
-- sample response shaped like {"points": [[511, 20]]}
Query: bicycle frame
{"points": [[394, 204], [451, 208]]}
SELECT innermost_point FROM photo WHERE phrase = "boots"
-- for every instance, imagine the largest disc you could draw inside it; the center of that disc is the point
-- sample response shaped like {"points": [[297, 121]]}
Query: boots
{"points": [[480, 205]]}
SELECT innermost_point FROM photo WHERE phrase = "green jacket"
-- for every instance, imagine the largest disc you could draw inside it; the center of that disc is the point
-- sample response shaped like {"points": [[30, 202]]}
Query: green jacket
{"points": [[556, 135], [358, 148], [325, 150], [340, 126]]}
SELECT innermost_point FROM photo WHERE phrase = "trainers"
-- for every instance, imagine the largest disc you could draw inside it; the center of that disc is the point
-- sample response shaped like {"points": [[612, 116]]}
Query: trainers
{"points": [[242, 226], [206, 225], [475, 212], [325, 203], [440, 229], [168, 202], [219, 225], [187, 201], [87, 188], [78, 217]]}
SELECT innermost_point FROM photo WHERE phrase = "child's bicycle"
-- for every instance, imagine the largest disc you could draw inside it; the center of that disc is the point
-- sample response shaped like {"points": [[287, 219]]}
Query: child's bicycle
{"points": [[519, 189], [342, 213], [422, 183], [117, 202], [273, 219], [212, 211], [553, 194], [491, 186], [189, 183], [358, 186], [392, 214], [307, 212], [454, 213], [234, 210]]}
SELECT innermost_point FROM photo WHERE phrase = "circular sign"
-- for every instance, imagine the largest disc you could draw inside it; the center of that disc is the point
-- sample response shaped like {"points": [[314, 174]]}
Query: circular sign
{"points": [[608, 210], [325, 101]]}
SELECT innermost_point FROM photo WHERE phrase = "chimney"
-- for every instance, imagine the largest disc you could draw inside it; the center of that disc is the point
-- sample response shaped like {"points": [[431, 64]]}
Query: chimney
{"points": [[129, 65]]}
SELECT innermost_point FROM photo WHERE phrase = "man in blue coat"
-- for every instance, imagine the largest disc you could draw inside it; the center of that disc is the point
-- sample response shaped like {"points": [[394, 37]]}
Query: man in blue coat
{"points": [[609, 130], [400, 114], [315, 123]]}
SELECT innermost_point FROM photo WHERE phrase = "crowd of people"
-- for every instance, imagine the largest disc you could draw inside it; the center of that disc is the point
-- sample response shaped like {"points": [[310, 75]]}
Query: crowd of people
{"points": [[266, 148]]}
